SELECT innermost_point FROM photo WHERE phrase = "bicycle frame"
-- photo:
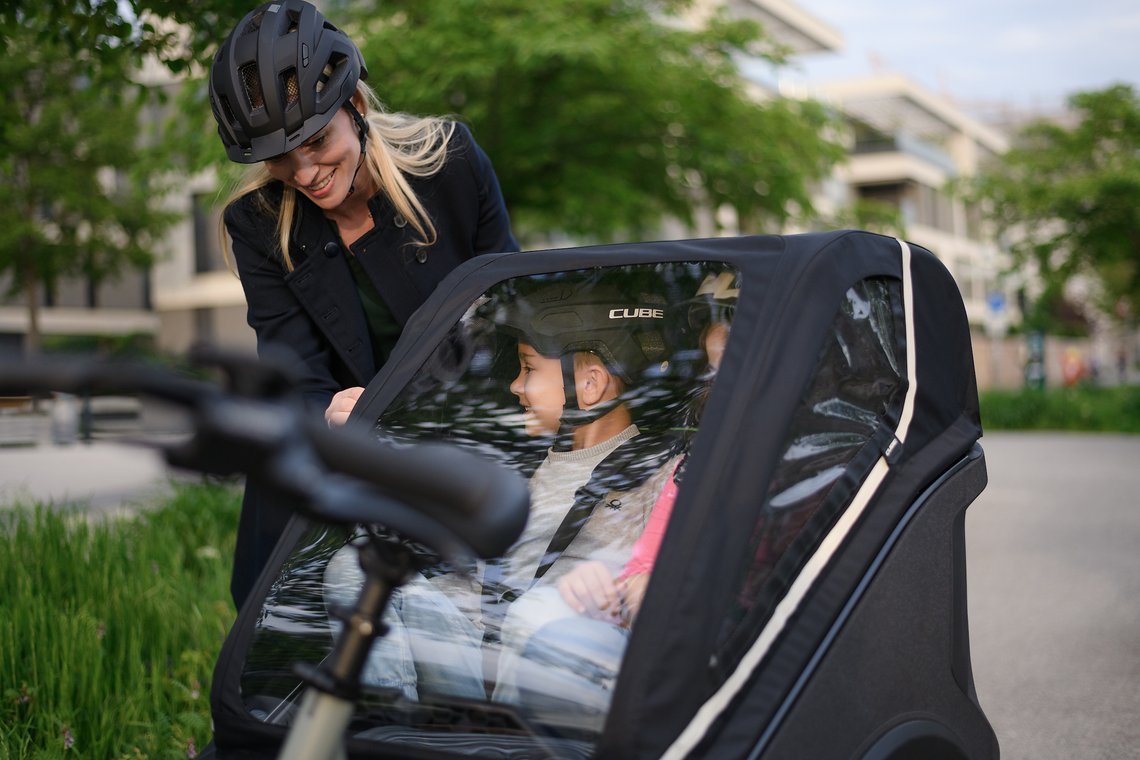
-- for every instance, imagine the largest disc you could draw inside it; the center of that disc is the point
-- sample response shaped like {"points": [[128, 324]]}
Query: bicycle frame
{"points": [[334, 685]]}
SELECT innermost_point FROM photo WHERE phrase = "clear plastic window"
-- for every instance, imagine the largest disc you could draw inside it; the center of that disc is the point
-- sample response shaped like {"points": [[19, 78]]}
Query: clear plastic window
{"points": [[591, 383], [854, 397]]}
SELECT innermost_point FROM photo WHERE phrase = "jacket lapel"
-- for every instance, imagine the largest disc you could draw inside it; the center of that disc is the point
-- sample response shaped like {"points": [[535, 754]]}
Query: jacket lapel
{"points": [[323, 284], [386, 255]]}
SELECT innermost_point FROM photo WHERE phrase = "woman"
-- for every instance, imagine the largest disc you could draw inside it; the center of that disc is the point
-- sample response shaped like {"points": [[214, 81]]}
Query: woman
{"points": [[348, 219]]}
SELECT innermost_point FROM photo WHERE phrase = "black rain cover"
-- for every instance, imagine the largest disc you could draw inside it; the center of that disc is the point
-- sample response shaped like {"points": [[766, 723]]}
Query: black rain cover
{"points": [[837, 341]]}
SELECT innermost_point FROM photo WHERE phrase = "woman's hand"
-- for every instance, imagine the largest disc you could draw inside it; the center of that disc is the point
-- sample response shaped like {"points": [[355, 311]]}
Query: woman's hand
{"points": [[589, 589], [342, 405]]}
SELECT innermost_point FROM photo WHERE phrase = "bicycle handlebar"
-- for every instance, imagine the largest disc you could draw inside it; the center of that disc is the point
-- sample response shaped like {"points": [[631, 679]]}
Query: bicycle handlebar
{"points": [[439, 495]]}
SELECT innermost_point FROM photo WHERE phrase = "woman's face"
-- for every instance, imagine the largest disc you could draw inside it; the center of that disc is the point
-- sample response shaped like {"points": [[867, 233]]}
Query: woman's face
{"points": [[323, 167], [540, 391]]}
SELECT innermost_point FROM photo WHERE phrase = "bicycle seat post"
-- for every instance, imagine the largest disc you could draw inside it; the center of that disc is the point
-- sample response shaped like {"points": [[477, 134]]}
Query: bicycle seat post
{"points": [[334, 685]]}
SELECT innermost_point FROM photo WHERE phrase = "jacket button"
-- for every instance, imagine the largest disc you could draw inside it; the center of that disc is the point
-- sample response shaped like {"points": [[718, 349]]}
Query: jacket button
{"points": [[331, 250], [421, 256], [400, 221]]}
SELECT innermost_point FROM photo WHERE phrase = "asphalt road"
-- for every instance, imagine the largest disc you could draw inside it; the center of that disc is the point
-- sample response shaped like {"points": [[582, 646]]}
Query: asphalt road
{"points": [[1053, 553]]}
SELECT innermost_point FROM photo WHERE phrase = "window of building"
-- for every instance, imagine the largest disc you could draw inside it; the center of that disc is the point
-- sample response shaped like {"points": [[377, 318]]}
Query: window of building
{"points": [[207, 243]]}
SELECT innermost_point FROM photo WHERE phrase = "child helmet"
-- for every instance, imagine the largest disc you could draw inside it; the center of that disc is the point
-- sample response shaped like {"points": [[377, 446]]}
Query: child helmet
{"points": [[627, 332], [714, 301], [279, 78]]}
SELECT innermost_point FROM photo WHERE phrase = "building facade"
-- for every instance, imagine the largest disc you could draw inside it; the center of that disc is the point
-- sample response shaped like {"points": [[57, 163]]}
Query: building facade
{"points": [[906, 147]]}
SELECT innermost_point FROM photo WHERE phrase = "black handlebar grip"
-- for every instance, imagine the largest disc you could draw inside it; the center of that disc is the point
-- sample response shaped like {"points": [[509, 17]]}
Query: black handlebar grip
{"points": [[486, 504], [93, 376]]}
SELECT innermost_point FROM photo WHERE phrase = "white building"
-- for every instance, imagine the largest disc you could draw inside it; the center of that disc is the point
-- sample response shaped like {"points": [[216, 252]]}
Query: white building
{"points": [[196, 294], [907, 145]]}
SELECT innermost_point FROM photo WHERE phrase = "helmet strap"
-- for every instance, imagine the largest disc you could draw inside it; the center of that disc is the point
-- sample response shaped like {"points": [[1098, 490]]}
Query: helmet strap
{"points": [[569, 383], [362, 128]]}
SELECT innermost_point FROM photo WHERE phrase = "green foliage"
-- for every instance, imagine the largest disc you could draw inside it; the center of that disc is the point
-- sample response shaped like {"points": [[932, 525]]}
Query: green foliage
{"points": [[109, 630], [1102, 410], [1070, 197], [867, 214], [1054, 314], [120, 33], [77, 180], [128, 346], [602, 117]]}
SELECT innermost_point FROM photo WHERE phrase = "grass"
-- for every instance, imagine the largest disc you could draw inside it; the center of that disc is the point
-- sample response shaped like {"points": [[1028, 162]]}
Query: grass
{"points": [[1082, 408], [109, 629]]}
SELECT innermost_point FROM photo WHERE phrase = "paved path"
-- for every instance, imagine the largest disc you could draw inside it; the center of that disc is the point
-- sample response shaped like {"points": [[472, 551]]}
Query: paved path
{"points": [[1053, 550], [100, 475]]}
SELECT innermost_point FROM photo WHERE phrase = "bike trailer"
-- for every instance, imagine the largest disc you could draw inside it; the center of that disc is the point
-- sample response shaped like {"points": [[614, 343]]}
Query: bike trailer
{"points": [[808, 598]]}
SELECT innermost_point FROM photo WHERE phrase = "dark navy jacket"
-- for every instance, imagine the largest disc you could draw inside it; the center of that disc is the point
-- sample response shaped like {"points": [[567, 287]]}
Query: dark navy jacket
{"points": [[315, 310]]}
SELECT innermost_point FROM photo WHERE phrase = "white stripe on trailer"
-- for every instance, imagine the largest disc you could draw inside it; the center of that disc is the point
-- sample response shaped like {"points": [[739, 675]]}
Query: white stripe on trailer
{"points": [[716, 705]]}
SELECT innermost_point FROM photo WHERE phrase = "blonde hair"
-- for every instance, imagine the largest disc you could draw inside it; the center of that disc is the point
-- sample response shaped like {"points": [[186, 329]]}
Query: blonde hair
{"points": [[399, 146]]}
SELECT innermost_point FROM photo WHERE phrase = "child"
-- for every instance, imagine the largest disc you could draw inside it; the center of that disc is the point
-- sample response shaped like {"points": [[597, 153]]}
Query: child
{"points": [[590, 589], [582, 348]]}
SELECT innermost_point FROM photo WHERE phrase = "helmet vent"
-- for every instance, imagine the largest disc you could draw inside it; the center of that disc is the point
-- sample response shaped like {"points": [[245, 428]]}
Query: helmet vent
{"points": [[254, 23], [326, 72], [227, 112], [289, 84], [294, 21], [252, 83]]}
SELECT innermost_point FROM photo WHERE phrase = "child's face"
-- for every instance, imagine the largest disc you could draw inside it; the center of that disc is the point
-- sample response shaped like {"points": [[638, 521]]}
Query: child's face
{"points": [[540, 391], [715, 339]]}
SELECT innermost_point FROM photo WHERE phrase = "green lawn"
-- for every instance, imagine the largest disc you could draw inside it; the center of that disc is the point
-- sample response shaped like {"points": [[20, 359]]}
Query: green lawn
{"points": [[109, 630]]}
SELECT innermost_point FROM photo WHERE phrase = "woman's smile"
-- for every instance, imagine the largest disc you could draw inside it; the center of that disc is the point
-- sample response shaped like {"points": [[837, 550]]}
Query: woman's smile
{"points": [[318, 189]]}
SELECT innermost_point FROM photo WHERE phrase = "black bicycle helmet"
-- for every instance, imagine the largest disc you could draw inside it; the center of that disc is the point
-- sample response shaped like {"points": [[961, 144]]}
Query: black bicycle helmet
{"points": [[626, 331], [279, 78]]}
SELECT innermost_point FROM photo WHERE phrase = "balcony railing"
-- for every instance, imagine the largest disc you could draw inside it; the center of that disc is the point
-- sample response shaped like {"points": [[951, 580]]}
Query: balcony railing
{"points": [[912, 146]]}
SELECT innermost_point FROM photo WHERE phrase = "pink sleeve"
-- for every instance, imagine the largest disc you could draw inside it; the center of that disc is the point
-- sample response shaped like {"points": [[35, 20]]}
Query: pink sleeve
{"points": [[645, 549]]}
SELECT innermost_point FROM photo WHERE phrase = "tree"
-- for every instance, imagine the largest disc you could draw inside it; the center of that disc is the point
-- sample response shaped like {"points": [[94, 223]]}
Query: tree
{"points": [[1067, 197], [602, 117], [80, 167], [72, 199], [119, 34], [866, 214]]}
